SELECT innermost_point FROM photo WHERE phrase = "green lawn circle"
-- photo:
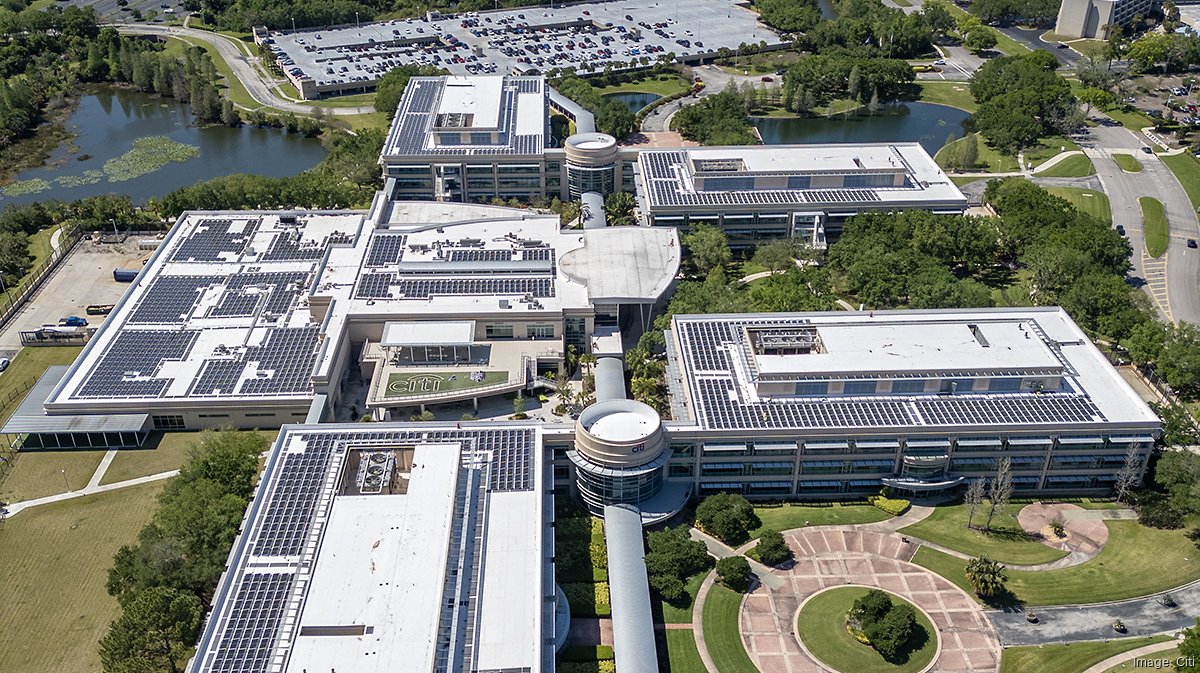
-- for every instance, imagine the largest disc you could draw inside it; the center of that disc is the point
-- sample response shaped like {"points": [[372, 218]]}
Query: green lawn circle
{"points": [[821, 629]]}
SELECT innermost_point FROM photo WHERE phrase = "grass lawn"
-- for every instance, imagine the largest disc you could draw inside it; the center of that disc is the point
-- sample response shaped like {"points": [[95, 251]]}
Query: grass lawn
{"points": [[675, 614], [990, 160], [961, 180], [1154, 223], [1007, 543], [682, 655], [789, 516], [54, 562], [663, 85], [954, 94], [722, 635], [1074, 166], [26, 367], [1128, 163], [424, 383], [758, 64], [164, 451], [822, 627], [1068, 658], [1187, 171], [1090, 201], [1127, 665], [1130, 119], [35, 474], [1137, 561], [1004, 43], [1047, 148]]}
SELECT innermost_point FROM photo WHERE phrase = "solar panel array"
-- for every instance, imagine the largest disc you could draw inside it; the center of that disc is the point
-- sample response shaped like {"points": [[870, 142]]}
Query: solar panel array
{"points": [[130, 365], [288, 247], [218, 377], [374, 285], [212, 240], [253, 624], [169, 299], [246, 625], [415, 118], [386, 249], [705, 346], [663, 171], [384, 285], [287, 355]]}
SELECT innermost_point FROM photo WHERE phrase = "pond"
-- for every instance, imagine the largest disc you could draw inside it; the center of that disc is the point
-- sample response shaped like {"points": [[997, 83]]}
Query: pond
{"points": [[634, 100], [134, 144], [927, 123]]}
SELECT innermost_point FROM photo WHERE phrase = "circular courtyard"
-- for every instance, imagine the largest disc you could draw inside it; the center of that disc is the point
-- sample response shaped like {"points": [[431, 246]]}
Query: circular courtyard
{"points": [[837, 557]]}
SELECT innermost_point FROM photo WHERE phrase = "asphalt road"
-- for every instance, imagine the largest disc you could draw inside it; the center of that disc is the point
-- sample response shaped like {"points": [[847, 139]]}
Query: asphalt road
{"points": [[715, 81], [244, 68], [1177, 282]]}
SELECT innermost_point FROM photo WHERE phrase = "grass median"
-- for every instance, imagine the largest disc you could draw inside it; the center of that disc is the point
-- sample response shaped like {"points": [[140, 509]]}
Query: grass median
{"points": [[1154, 225], [1128, 163], [1070, 657], [1074, 166], [1089, 201]]}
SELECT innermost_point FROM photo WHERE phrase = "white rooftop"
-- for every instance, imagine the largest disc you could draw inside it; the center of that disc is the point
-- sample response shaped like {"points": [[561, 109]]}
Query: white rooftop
{"points": [[891, 348], [433, 333], [476, 96], [808, 158]]}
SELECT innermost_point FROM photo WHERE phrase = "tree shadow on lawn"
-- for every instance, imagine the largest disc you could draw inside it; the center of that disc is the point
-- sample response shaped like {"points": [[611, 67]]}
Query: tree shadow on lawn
{"points": [[1006, 600], [1010, 534], [918, 639]]}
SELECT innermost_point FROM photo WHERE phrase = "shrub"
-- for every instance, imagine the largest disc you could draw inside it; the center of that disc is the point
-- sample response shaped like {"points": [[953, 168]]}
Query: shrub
{"points": [[586, 653], [772, 549], [893, 506], [727, 516], [734, 572]]}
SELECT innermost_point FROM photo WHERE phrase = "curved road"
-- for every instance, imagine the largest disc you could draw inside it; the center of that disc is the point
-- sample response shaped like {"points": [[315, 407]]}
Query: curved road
{"points": [[244, 68]]}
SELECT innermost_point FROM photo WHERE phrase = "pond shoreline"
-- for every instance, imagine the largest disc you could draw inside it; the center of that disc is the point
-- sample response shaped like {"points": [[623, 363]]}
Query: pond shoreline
{"points": [[34, 150]]}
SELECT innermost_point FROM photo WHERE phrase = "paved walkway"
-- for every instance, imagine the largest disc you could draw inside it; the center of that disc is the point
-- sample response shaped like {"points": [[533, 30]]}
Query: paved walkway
{"points": [[1139, 653], [1141, 616], [1086, 533], [836, 556], [93, 487]]}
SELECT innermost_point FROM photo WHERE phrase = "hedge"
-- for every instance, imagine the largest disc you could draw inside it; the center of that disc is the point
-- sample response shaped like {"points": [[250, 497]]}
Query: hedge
{"points": [[586, 653], [893, 506]]}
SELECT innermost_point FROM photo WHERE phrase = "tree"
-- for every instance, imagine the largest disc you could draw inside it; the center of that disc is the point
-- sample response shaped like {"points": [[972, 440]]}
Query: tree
{"points": [[968, 153], [727, 516], [1093, 97], [1130, 473], [734, 572], [614, 118], [980, 39], [986, 576], [155, 632], [776, 254], [390, 88], [999, 491], [709, 248], [519, 406], [772, 549], [973, 498], [1178, 474], [674, 556], [889, 635], [618, 209], [871, 607], [1189, 650]]}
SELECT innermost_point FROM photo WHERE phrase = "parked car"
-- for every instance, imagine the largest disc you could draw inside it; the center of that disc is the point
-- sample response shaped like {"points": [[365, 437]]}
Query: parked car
{"points": [[1191, 243], [1121, 229]]}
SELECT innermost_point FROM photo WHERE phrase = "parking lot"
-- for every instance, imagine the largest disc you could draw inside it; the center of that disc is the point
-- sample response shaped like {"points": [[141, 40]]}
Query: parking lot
{"points": [[588, 38]]}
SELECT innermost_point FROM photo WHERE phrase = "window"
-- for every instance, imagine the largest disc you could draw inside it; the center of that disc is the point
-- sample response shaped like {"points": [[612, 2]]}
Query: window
{"points": [[799, 181], [812, 388], [859, 388], [1004, 385], [878, 180], [739, 184], [908, 386], [168, 422], [679, 471], [957, 385], [259, 414], [498, 331], [214, 415], [540, 331]]}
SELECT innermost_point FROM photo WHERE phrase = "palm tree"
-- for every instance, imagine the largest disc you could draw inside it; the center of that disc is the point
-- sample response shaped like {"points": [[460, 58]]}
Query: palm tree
{"points": [[986, 576]]}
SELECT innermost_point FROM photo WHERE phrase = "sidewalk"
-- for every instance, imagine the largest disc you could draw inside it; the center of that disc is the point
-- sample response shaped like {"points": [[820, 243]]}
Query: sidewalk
{"points": [[93, 487], [1139, 653]]}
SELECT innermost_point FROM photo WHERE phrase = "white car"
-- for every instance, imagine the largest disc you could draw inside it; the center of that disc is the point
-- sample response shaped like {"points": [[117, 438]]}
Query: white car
{"points": [[940, 61]]}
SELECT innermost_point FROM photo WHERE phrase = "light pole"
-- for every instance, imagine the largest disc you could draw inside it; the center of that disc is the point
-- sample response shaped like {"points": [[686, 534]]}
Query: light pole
{"points": [[293, 24], [356, 26], [65, 480]]}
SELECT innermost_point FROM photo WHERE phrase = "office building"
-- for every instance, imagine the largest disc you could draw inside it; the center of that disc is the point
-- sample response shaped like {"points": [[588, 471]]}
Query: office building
{"points": [[1094, 19]]}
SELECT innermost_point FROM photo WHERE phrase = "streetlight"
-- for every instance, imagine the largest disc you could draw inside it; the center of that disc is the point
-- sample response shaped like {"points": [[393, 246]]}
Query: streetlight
{"points": [[293, 24], [356, 26], [65, 480]]}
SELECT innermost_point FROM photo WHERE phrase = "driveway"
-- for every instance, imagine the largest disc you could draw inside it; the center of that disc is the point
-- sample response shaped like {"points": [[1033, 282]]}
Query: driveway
{"points": [[1178, 271]]}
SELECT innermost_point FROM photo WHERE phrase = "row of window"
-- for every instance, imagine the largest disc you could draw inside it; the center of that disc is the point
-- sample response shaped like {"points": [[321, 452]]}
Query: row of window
{"points": [[920, 386], [501, 331]]}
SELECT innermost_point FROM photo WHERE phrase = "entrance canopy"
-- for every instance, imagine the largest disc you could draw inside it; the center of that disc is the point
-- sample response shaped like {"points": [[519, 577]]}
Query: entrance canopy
{"points": [[435, 333]]}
